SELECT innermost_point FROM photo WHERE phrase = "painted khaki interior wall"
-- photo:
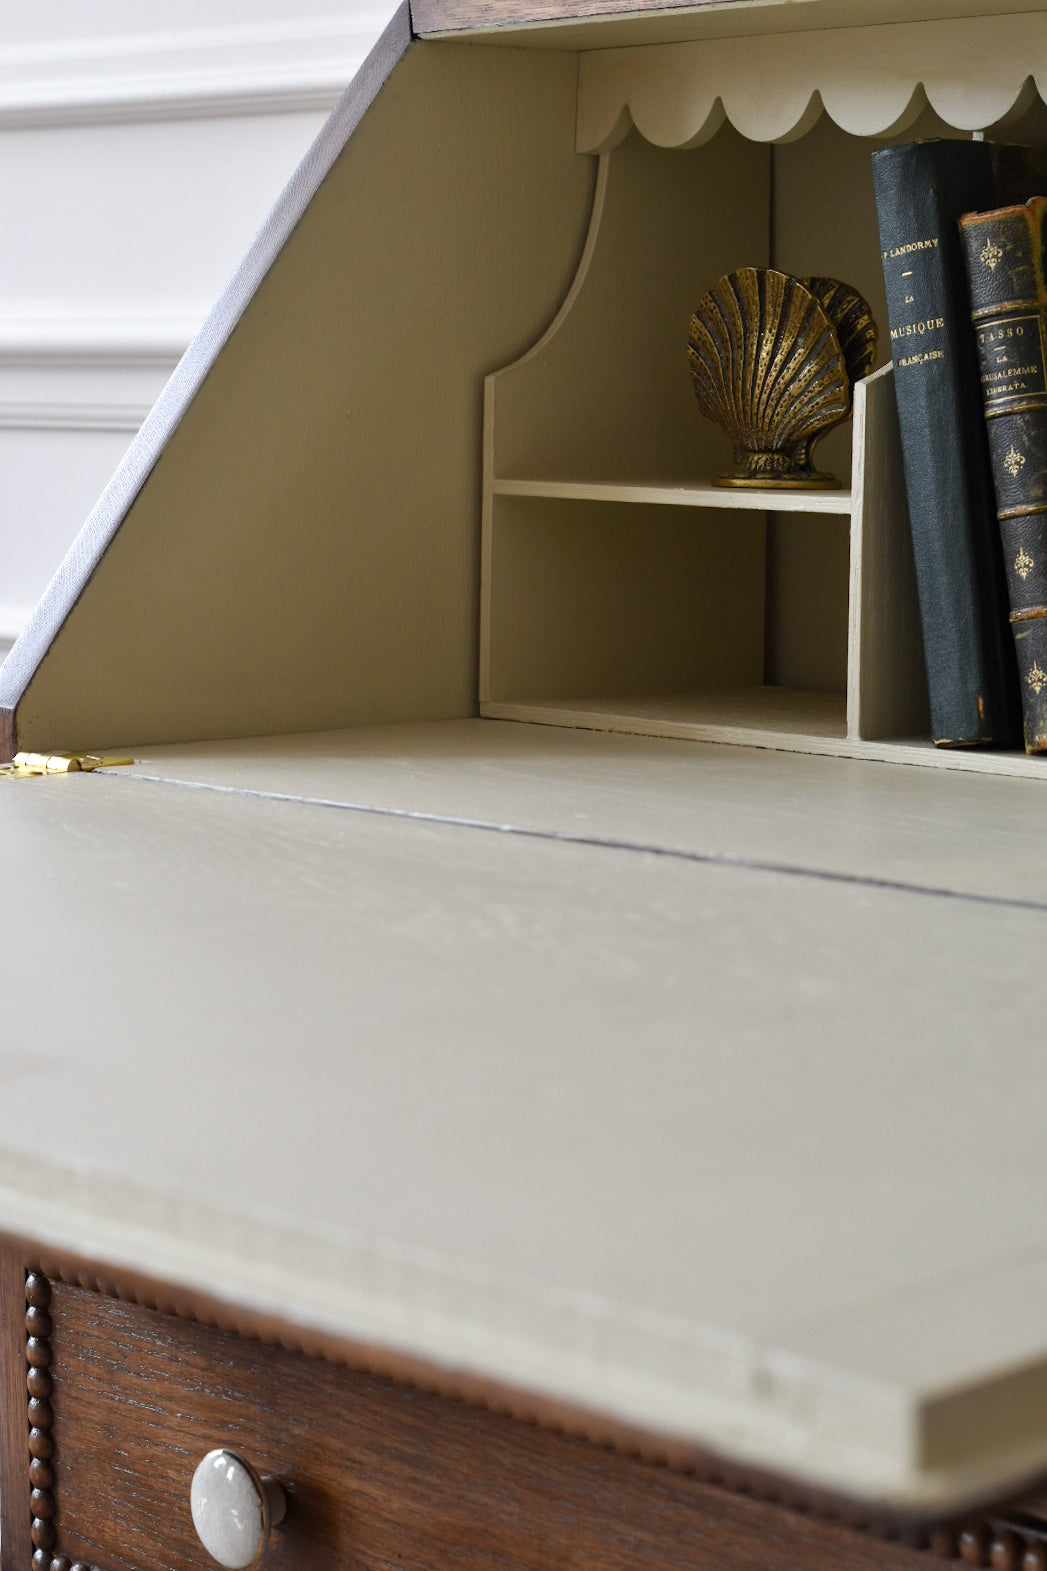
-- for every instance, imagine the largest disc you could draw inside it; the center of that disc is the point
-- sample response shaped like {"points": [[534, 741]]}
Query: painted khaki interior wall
{"points": [[590, 599], [607, 394], [305, 552]]}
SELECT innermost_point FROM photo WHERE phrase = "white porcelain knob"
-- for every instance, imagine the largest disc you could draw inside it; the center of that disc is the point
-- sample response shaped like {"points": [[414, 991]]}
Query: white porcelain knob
{"points": [[234, 1508]]}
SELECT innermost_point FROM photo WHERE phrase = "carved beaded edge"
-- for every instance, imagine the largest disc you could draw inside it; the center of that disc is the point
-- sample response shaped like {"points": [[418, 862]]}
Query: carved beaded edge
{"points": [[992, 1542], [40, 1439]]}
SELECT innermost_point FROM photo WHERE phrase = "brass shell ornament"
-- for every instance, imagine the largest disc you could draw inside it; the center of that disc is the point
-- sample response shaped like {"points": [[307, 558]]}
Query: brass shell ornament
{"points": [[768, 367], [849, 313]]}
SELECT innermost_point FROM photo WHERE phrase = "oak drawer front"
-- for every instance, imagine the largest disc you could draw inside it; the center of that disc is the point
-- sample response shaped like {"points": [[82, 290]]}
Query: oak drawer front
{"points": [[378, 1475]]}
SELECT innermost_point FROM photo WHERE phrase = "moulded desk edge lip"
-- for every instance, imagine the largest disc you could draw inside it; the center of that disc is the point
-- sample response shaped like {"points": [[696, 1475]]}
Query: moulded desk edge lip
{"points": [[464, 1356]]}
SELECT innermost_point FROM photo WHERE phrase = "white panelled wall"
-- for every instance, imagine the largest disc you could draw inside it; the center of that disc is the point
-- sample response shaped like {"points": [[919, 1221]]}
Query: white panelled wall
{"points": [[140, 149]]}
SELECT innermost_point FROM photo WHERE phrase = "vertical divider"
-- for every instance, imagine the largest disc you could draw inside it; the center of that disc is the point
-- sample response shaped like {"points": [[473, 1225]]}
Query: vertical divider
{"points": [[486, 542], [857, 574], [886, 682]]}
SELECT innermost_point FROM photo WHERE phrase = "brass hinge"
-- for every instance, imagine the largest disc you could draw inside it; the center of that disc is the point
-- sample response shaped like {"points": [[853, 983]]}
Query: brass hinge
{"points": [[25, 764]]}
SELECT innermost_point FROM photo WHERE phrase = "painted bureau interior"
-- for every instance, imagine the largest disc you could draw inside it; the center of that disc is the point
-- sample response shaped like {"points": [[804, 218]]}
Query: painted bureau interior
{"points": [[326, 522]]}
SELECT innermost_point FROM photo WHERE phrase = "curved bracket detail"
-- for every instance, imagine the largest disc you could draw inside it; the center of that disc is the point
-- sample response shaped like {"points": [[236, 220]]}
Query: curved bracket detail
{"points": [[872, 81]]}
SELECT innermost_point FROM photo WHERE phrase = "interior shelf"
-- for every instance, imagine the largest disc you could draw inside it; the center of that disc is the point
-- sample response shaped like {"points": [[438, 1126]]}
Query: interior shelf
{"points": [[786, 720], [762, 715], [706, 495]]}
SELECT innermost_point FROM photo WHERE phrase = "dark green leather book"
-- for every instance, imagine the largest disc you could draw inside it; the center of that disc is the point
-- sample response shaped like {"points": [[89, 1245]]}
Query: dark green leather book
{"points": [[1005, 270], [921, 190]]}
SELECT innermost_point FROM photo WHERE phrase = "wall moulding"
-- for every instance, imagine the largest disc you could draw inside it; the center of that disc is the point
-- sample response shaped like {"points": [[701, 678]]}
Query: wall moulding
{"points": [[75, 386], [872, 81], [186, 73], [87, 370], [32, 416], [88, 333]]}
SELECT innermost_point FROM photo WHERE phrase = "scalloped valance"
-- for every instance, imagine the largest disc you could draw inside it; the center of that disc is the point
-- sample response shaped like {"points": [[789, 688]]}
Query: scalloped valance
{"points": [[975, 72]]}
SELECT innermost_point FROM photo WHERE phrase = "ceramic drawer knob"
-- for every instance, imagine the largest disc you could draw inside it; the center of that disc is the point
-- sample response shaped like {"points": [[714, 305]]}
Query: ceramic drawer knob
{"points": [[234, 1508]]}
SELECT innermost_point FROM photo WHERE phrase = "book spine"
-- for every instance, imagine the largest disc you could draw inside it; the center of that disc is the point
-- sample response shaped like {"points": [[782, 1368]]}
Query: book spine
{"points": [[921, 189], [1005, 268]]}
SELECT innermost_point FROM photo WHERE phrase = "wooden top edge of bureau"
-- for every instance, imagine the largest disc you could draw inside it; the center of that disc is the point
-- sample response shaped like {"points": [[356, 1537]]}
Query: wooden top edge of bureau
{"points": [[612, 24]]}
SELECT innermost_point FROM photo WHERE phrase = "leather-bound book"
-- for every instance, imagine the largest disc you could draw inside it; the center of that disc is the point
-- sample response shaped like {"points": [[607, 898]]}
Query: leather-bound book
{"points": [[922, 188], [1005, 269]]}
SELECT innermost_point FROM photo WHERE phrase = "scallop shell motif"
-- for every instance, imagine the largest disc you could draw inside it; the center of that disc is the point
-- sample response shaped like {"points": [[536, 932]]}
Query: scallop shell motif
{"points": [[850, 315], [768, 369]]}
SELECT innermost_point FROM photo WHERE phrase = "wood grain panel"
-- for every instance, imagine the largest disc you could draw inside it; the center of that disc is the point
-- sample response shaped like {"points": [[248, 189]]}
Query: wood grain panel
{"points": [[377, 1474], [435, 16], [588, 24]]}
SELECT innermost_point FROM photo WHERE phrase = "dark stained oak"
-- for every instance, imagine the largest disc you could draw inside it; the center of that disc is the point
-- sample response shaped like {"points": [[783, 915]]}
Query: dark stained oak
{"points": [[129, 1382], [378, 1475]]}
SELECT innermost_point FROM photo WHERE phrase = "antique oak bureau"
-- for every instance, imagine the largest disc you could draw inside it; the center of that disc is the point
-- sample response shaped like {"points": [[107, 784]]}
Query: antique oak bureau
{"points": [[536, 1062]]}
